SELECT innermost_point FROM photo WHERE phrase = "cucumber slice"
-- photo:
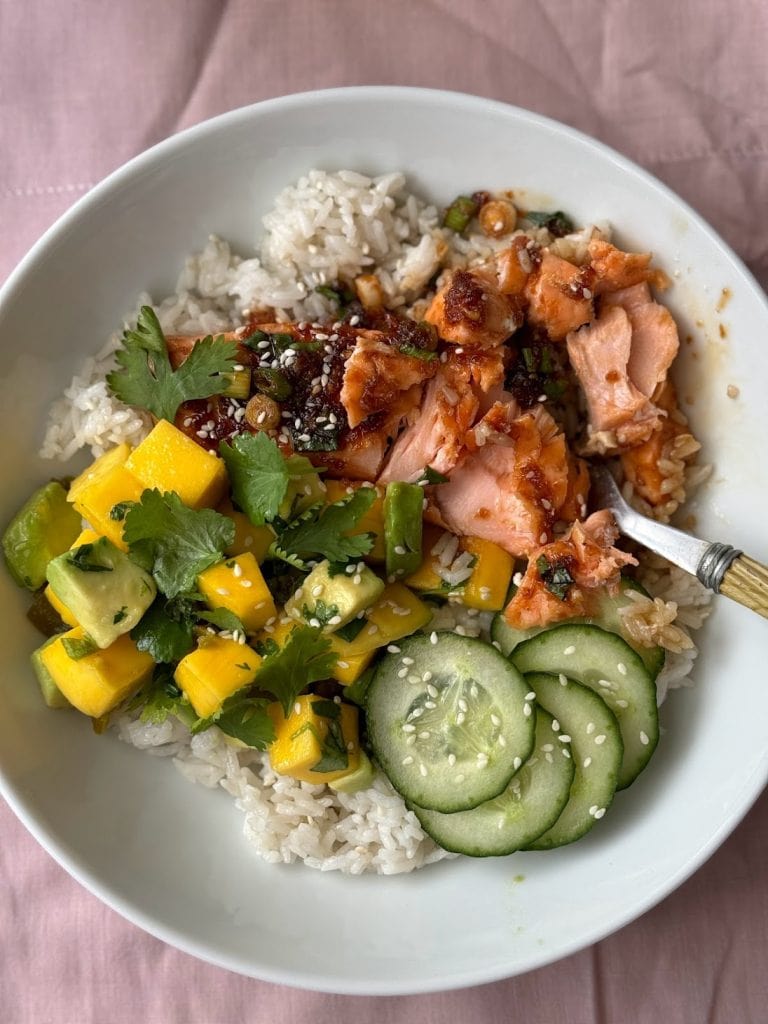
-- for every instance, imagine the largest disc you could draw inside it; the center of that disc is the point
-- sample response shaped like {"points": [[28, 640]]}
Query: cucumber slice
{"points": [[606, 664], [583, 716], [449, 722], [608, 617], [531, 803]]}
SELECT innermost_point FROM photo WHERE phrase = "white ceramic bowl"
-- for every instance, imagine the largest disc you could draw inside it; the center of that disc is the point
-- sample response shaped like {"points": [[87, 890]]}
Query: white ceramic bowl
{"points": [[170, 856]]}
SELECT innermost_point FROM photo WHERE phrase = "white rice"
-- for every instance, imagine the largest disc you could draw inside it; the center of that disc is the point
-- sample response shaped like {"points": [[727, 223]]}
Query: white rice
{"points": [[323, 228]]}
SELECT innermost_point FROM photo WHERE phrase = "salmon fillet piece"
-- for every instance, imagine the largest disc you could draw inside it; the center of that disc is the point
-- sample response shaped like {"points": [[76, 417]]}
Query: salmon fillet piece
{"points": [[450, 406], [588, 556], [655, 341], [559, 300], [614, 269], [376, 373], [512, 483], [620, 414], [472, 310]]}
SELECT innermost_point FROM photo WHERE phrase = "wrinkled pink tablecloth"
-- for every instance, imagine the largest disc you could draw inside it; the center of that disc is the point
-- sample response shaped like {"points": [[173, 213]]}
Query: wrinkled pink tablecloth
{"points": [[679, 85]]}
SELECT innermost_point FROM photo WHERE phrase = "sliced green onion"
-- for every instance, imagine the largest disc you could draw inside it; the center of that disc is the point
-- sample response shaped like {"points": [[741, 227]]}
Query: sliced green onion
{"points": [[460, 213]]}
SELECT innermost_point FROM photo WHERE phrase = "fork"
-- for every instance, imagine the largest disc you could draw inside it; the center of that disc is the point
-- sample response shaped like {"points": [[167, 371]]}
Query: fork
{"points": [[720, 567]]}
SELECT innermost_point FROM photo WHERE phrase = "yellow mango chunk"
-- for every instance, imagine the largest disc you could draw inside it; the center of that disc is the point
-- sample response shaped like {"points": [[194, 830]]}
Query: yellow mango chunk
{"points": [[486, 589], [215, 670], [248, 537], [86, 537], [397, 613], [97, 490], [116, 456], [371, 522], [237, 584], [349, 666], [170, 461], [426, 578], [299, 740], [98, 682]]}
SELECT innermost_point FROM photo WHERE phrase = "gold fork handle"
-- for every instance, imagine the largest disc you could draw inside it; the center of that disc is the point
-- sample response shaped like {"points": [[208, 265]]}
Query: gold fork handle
{"points": [[746, 581]]}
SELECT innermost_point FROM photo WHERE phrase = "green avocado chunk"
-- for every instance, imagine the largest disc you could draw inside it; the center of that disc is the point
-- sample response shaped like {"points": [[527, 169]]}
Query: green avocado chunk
{"points": [[45, 526], [332, 600], [52, 695], [360, 778], [403, 512], [106, 592]]}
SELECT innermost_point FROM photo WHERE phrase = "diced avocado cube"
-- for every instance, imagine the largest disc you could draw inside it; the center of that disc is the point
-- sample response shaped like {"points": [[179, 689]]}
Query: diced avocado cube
{"points": [[215, 670], [96, 682], [238, 585], [170, 461], [104, 590], [403, 518], [360, 778], [371, 522], [52, 695], [357, 690], [300, 739], [45, 526], [331, 601]]}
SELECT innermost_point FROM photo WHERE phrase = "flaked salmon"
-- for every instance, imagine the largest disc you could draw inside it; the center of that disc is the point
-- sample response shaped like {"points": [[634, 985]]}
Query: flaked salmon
{"points": [[376, 373], [613, 269], [472, 310], [585, 556], [620, 415], [450, 406], [513, 481], [655, 342], [559, 296]]}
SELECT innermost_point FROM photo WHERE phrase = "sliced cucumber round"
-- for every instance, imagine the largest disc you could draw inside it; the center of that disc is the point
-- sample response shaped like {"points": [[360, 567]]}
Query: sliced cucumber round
{"points": [[449, 722], [608, 616], [608, 665], [583, 717], [530, 804]]}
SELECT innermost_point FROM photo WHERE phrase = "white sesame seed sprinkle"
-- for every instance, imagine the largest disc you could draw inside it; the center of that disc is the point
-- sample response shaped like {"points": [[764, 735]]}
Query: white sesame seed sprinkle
{"points": [[643, 739], [564, 737], [460, 718], [599, 813], [433, 638], [600, 740], [223, 591], [530, 695], [408, 727], [516, 763], [593, 809], [393, 649], [408, 759], [570, 650], [425, 734], [563, 679], [527, 710], [590, 728], [586, 762], [423, 770], [555, 725], [495, 720], [402, 673], [342, 664], [622, 668]]}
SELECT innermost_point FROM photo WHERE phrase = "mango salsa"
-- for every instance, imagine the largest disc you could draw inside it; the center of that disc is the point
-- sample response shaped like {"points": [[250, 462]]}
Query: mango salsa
{"points": [[237, 584], [215, 670], [106, 483], [96, 683], [170, 461], [299, 738], [349, 667]]}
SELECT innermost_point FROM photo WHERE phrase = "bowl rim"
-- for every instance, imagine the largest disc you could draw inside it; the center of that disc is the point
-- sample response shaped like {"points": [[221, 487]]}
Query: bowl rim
{"points": [[68, 858]]}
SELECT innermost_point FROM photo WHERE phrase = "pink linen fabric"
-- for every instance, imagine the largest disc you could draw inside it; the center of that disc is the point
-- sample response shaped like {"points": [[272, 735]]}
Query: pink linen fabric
{"points": [[680, 86]]}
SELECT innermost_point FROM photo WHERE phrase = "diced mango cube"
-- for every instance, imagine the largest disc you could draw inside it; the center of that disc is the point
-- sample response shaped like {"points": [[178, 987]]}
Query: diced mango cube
{"points": [[248, 537], [215, 670], [97, 683], [97, 490], [299, 738], [426, 578], [486, 589], [86, 537], [349, 666], [237, 584], [170, 461], [396, 614], [371, 522]]}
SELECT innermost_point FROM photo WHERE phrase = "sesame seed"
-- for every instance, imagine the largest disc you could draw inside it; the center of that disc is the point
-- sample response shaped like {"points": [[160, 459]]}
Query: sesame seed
{"points": [[622, 703], [501, 741], [409, 728], [317, 591], [432, 690], [460, 778], [482, 760], [463, 706], [430, 705], [451, 760], [530, 696], [600, 740], [342, 664], [547, 746], [423, 770], [427, 676], [474, 692], [407, 661], [223, 591], [408, 759], [555, 725], [565, 752], [315, 623], [590, 728], [563, 679], [425, 734], [433, 637], [354, 321], [586, 762], [599, 813], [622, 668], [402, 673], [527, 710], [570, 650], [460, 718], [516, 763], [237, 570], [399, 549], [373, 629], [298, 594], [593, 809], [335, 620], [357, 579], [393, 649], [549, 759], [414, 680], [543, 537], [564, 737], [643, 739]]}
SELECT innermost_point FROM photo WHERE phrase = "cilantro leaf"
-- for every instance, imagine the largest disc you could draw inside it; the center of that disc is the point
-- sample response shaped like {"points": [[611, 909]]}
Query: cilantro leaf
{"points": [[77, 649], [555, 577], [431, 476], [165, 630], [321, 530], [304, 658], [162, 697], [247, 720], [333, 749], [80, 558], [260, 475], [146, 378], [222, 618], [176, 541], [322, 612]]}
